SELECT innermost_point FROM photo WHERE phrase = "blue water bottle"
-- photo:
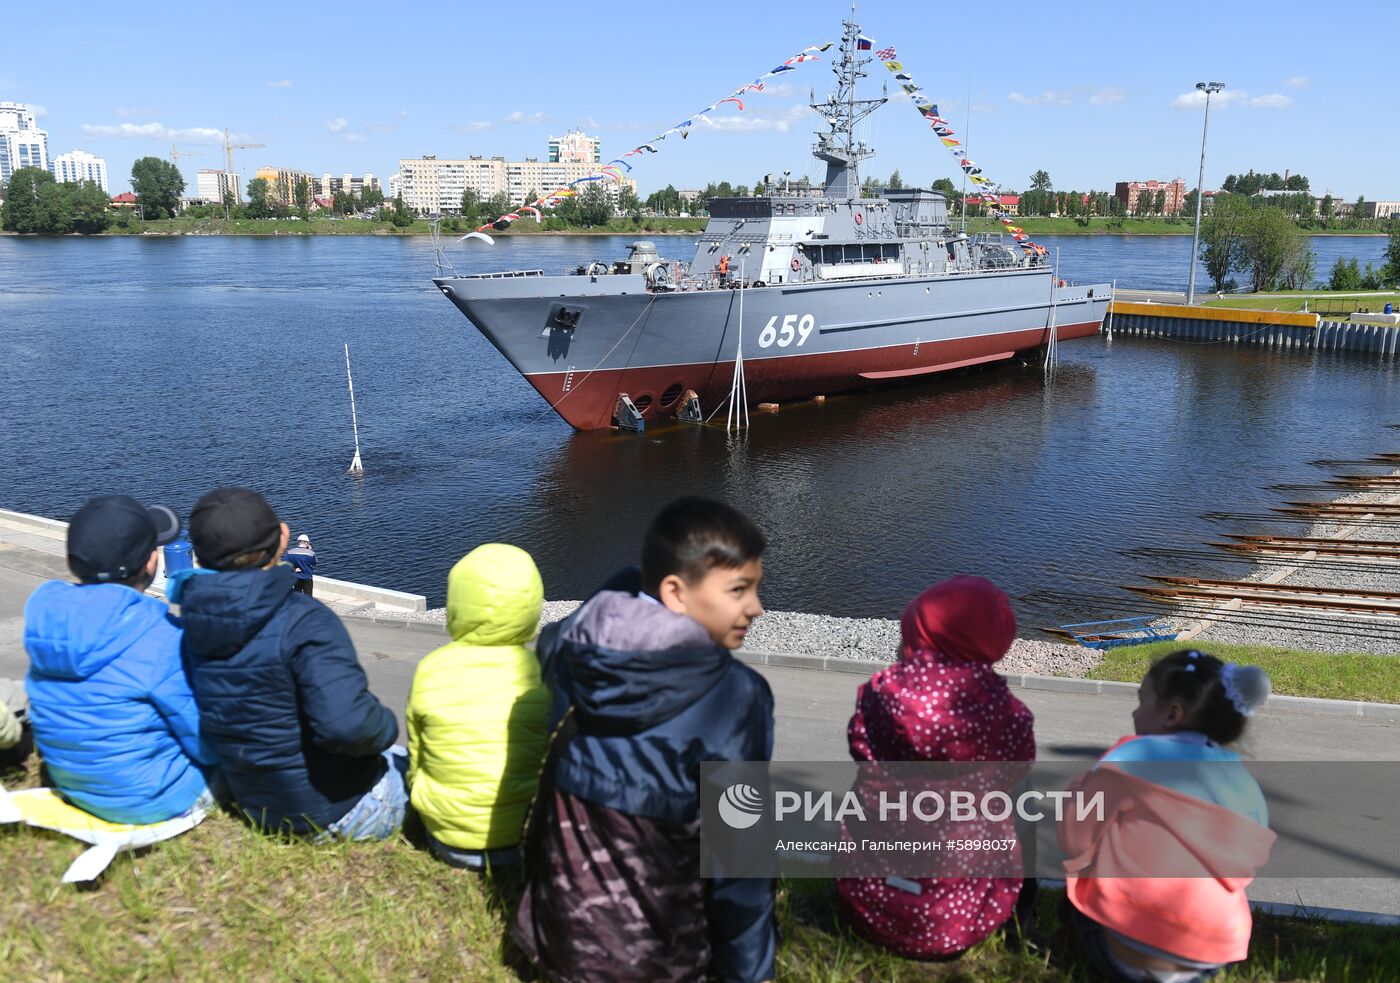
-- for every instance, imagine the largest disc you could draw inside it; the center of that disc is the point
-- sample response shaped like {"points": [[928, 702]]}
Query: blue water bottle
{"points": [[1390, 308], [179, 555]]}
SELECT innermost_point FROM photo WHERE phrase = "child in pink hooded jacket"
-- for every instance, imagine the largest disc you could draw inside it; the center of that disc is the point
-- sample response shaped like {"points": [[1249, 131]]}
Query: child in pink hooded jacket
{"points": [[942, 701], [1156, 890]]}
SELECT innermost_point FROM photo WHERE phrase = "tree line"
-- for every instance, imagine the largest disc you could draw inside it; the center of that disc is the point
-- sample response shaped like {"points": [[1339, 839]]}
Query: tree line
{"points": [[1258, 239]]}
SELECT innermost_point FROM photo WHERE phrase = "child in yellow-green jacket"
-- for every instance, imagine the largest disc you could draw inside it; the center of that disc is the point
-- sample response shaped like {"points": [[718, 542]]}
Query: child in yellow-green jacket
{"points": [[477, 712]]}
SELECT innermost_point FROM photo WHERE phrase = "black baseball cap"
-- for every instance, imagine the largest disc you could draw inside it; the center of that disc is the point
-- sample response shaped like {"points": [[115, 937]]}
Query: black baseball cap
{"points": [[111, 537], [230, 522]]}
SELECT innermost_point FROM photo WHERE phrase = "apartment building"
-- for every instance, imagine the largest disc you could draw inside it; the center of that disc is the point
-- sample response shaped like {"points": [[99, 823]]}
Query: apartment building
{"points": [[434, 186], [79, 165], [22, 143], [1130, 194]]}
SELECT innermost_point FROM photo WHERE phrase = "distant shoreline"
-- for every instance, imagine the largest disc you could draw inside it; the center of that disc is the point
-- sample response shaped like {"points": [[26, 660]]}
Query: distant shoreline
{"points": [[412, 233]]}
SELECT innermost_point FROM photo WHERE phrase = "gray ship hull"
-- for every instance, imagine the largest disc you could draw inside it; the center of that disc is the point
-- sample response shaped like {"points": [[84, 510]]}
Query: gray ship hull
{"points": [[582, 341]]}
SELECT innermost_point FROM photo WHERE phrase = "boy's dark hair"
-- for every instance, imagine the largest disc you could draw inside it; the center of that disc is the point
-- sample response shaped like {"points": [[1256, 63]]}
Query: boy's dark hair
{"points": [[692, 536], [1217, 696]]}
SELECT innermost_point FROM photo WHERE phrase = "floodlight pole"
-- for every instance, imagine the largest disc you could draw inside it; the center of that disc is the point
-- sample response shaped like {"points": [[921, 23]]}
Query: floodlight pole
{"points": [[1208, 88]]}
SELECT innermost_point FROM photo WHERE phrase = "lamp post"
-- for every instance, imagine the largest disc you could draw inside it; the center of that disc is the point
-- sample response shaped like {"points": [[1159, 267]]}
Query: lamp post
{"points": [[785, 181], [1209, 88]]}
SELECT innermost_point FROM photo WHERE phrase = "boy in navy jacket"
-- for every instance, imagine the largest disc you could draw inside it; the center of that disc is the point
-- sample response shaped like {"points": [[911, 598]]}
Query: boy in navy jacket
{"points": [[644, 689], [305, 746]]}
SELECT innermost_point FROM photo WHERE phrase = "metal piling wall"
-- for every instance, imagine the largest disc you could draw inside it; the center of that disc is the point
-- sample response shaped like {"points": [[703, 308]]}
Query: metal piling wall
{"points": [[1266, 329]]}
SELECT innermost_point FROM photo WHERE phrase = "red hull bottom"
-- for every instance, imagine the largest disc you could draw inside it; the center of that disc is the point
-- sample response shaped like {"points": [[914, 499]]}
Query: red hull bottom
{"points": [[586, 400]]}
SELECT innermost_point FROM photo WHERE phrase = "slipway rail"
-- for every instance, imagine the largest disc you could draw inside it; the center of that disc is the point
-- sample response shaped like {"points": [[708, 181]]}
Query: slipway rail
{"points": [[1287, 545], [1385, 603]]}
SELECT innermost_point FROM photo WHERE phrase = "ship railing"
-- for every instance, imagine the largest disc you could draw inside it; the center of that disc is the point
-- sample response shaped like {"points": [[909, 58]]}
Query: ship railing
{"points": [[503, 275]]}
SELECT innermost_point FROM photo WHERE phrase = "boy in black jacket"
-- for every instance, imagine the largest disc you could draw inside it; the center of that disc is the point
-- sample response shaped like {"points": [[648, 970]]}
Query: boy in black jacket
{"points": [[642, 679], [304, 745]]}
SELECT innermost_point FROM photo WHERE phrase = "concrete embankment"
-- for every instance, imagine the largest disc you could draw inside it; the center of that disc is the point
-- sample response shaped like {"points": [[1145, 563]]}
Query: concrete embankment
{"points": [[1377, 335]]}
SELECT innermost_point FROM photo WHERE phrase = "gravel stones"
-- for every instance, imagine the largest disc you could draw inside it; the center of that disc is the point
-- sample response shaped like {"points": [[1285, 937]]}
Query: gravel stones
{"points": [[872, 640]]}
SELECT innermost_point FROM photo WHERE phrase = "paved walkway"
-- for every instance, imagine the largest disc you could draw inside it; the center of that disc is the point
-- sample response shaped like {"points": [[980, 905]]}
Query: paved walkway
{"points": [[812, 707]]}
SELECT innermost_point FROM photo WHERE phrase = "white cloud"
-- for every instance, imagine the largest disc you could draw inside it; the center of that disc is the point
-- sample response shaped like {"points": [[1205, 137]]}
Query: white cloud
{"points": [[1195, 99], [1108, 95], [337, 125], [780, 89], [476, 126], [357, 138], [525, 118], [589, 123], [156, 131], [1297, 82], [1045, 98], [781, 122], [280, 84], [39, 111]]}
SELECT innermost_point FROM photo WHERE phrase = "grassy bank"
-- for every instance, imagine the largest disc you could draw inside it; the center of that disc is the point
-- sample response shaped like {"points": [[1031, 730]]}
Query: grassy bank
{"points": [[183, 225], [1328, 675], [1037, 225], [1324, 302], [222, 902]]}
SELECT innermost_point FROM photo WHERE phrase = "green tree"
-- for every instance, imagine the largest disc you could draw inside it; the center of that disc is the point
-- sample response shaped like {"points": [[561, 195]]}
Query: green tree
{"points": [[260, 203], [1345, 275], [470, 201], [1391, 269], [301, 193], [896, 182], [1359, 209], [594, 205], [1159, 201], [23, 211], [1327, 209], [1222, 236], [402, 215], [1299, 271], [1040, 181], [1268, 245], [627, 202], [88, 207], [371, 197], [869, 188], [158, 186], [949, 191]]}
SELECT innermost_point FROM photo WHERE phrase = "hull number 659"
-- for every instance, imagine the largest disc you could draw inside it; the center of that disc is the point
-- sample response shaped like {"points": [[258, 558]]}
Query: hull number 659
{"points": [[792, 328]]}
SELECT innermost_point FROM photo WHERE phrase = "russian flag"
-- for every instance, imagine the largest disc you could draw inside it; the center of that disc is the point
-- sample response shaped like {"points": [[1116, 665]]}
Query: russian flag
{"points": [[864, 43]]}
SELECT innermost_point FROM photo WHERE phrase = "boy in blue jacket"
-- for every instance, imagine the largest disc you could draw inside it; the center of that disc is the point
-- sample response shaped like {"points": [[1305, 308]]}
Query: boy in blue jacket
{"points": [[305, 746], [110, 707], [643, 689]]}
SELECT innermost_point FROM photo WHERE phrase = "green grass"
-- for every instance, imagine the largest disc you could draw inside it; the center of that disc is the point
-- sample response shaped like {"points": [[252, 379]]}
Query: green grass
{"points": [[1328, 675], [222, 902], [186, 225], [1324, 302]]}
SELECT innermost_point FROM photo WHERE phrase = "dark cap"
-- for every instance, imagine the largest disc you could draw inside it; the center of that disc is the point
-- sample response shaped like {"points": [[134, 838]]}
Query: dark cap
{"points": [[111, 537], [229, 522]]}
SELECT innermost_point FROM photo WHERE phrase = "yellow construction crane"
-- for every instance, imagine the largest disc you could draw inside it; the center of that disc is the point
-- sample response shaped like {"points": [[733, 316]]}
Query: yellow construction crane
{"points": [[176, 153], [229, 148]]}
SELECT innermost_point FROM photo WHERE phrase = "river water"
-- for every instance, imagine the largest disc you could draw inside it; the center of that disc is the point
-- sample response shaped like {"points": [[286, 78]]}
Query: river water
{"points": [[164, 367]]}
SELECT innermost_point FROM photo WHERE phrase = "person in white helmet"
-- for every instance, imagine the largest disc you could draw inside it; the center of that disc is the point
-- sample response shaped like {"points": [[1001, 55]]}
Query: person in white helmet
{"points": [[303, 560]]}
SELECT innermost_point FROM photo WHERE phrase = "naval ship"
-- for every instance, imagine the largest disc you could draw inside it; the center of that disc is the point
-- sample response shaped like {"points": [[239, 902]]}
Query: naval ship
{"points": [[815, 292]]}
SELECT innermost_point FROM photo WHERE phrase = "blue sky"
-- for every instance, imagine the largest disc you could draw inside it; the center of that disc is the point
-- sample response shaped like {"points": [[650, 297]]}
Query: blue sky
{"points": [[1091, 92]]}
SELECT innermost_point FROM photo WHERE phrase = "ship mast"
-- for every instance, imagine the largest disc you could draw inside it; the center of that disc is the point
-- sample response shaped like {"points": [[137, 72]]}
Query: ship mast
{"points": [[842, 111]]}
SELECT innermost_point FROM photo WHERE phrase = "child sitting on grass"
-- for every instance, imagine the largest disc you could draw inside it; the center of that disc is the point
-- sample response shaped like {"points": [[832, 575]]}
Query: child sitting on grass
{"points": [[1156, 891], [643, 690], [476, 713], [942, 701]]}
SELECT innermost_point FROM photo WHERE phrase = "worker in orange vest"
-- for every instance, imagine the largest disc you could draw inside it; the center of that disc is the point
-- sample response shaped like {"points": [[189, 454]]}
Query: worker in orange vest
{"points": [[723, 269]]}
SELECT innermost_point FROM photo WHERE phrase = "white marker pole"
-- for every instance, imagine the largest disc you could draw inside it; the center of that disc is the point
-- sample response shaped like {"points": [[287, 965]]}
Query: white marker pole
{"points": [[356, 467]]}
